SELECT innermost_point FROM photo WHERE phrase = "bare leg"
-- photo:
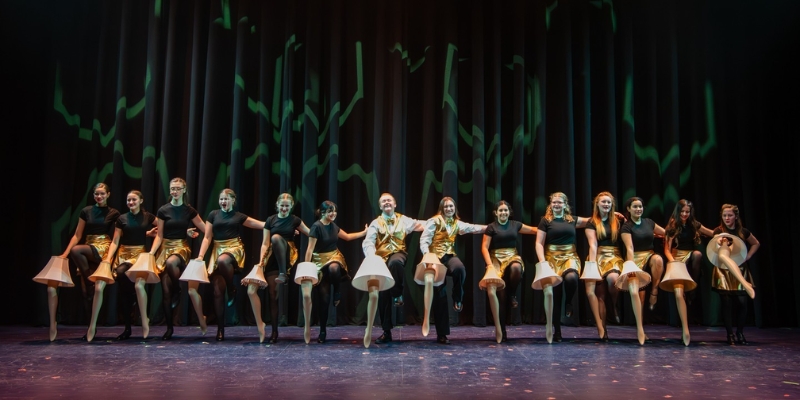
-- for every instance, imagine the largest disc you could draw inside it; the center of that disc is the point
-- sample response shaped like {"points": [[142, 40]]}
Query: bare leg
{"points": [[305, 287], [372, 308], [681, 303], [197, 302], [96, 304], [590, 288], [141, 299], [633, 289], [255, 304], [52, 306], [491, 291], [548, 311], [724, 257]]}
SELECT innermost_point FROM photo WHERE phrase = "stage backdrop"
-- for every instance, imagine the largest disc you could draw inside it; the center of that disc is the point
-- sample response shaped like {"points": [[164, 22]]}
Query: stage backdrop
{"points": [[477, 100]]}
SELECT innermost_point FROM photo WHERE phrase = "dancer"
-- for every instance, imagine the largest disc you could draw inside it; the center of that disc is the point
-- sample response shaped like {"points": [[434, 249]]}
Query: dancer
{"points": [[130, 238], [175, 221], [637, 235], [499, 249], [385, 238], [331, 266], [223, 226], [602, 233], [439, 237], [555, 243], [95, 226], [278, 253], [682, 237], [734, 284]]}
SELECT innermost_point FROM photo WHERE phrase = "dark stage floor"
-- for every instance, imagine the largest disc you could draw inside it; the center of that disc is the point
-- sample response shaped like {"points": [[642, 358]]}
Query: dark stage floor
{"points": [[191, 366]]}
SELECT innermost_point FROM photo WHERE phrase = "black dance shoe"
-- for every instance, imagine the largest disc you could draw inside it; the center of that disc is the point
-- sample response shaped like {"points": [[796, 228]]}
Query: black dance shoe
{"points": [[398, 301], [220, 334], [281, 279], [175, 299], [568, 310], [731, 339], [442, 339], [337, 297], [385, 338], [124, 335], [321, 337], [231, 297], [274, 337], [167, 334], [458, 306], [505, 336], [514, 302], [557, 335], [740, 339]]}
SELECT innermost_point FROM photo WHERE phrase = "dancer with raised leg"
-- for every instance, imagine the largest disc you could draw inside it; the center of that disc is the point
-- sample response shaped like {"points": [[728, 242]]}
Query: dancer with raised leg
{"points": [[278, 254], [504, 266], [96, 222], [734, 246]]}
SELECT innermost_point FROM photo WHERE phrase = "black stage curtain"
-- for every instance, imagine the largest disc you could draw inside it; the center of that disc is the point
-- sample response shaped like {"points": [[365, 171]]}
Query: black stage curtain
{"points": [[344, 100]]}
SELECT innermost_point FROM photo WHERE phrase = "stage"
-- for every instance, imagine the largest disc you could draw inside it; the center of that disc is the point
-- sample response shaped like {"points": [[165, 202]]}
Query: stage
{"points": [[413, 366]]}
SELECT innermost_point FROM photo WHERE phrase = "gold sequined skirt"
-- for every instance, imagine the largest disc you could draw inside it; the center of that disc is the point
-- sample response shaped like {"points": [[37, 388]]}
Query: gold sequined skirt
{"points": [[178, 247], [234, 247], [273, 266], [125, 255], [100, 243], [609, 259], [681, 255], [723, 281], [502, 258], [323, 259], [563, 258]]}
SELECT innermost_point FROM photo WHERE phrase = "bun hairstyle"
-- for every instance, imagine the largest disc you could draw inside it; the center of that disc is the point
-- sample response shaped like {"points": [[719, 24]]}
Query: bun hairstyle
{"points": [[324, 207]]}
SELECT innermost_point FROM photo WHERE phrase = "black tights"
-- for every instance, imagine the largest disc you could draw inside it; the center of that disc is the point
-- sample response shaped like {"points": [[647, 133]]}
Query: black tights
{"points": [[170, 280], [567, 288], [127, 294], [222, 280], [728, 303], [280, 250], [82, 255], [512, 276], [331, 275], [272, 286]]}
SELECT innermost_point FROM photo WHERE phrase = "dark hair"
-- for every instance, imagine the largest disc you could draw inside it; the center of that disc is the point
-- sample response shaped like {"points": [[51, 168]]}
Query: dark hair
{"points": [[324, 207], [503, 203], [675, 226], [628, 204]]}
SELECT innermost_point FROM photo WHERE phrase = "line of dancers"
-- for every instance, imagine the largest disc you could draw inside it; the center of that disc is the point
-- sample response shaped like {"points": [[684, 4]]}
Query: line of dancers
{"points": [[621, 258]]}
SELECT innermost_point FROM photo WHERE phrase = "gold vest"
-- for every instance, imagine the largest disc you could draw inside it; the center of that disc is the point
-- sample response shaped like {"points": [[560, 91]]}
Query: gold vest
{"points": [[444, 242], [390, 242]]}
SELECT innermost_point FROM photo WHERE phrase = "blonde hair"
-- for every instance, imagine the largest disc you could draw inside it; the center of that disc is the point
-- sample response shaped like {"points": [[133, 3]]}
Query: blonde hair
{"points": [[548, 213]]}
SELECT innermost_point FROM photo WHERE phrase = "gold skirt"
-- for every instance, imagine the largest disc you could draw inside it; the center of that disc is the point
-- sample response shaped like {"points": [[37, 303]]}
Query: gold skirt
{"points": [[502, 258], [323, 259], [178, 247], [293, 255], [234, 247], [724, 281], [100, 243], [681, 255], [126, 255], [642, 260], [563, 258], [609, 259]]}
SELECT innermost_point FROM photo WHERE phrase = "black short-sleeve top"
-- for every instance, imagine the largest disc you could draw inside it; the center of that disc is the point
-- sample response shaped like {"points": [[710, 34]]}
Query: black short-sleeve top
{"points": [[177, 219], [503, 236], [134, 227], [606, 241], [326, 235], [99, 220], [283, 226], [226, 224], [559, 231], [641, 234]]}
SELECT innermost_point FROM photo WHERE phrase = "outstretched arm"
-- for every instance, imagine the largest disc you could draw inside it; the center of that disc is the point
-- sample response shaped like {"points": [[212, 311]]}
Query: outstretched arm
{"points": [[350, 236]]}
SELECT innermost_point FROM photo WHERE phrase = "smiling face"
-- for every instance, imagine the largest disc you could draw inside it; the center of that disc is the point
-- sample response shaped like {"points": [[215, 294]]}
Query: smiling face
{"points": [[101, 196], [448, 209], [636, 209], [557, 205], [686, 211], [502, 213], [330, 215], [387, 204], [134, 202], [604, 204], [284, 208]]}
